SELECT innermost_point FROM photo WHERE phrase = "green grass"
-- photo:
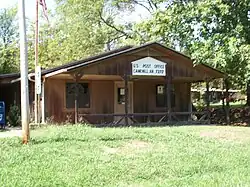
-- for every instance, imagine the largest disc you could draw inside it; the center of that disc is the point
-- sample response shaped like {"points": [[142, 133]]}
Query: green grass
{"points": [[170, 156]]}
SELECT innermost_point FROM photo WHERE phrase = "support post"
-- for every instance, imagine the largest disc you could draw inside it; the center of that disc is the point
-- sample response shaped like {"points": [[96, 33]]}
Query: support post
{"points": [[223, 95], [227, 108], [43, 102], [76, 100], [169, 81], [37, 98], [208, 101], [190, 107], [77, 78], [24, 73], [126, 98]]}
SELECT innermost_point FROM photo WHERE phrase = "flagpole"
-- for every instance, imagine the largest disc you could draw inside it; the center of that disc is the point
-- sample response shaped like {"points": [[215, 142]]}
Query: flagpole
{"points": [[24, 73], [36, 64]]}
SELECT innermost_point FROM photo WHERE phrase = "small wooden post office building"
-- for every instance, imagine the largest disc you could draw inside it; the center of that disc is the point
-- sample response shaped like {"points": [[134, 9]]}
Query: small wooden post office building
{"points": [[130, 85]]}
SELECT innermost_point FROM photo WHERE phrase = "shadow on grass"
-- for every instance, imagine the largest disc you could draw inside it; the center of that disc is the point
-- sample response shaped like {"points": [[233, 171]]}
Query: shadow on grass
{"points": [[35, 141], [55, 140], [4, 130], [151, 124]]}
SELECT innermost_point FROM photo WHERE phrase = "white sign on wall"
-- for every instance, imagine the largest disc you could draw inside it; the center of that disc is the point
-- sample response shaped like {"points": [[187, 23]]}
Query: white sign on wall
{"points": [[148, 66], [38, 80]]}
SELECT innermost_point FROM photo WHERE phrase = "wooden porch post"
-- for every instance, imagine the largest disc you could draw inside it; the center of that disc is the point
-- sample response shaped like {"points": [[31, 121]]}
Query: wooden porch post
{"points": [[126, 98], [169, 80], [77, 77], [76, 101], [190, 107], [227, 108], [208, 100], [223, 95]]}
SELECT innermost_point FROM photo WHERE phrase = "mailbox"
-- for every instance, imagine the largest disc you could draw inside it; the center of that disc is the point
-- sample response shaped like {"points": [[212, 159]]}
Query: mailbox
{"points": [[2, 113]]}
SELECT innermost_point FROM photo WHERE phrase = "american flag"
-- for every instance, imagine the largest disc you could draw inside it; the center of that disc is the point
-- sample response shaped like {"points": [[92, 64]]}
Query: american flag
{"points": [[43, 4]]}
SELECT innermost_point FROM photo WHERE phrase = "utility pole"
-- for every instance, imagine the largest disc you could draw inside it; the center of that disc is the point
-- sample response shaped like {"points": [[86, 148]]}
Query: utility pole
{"points": [[36, 63], [24, 72]]}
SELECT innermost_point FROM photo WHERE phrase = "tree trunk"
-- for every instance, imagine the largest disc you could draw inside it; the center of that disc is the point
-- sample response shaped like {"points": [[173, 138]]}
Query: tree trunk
{"points": [[248, 93], [227, 102]]}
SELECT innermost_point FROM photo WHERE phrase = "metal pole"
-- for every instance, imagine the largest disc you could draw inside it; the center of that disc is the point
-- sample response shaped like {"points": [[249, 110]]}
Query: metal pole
{"points": [[24, 72], [36, 63]]}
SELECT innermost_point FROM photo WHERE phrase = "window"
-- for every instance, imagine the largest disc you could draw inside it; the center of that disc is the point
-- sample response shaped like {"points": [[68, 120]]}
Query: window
{"points": [[121, 96], [161, 97], [83, 95]]}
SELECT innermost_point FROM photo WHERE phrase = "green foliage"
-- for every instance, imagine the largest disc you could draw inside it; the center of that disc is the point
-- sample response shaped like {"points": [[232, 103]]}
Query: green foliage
{"points": [[212, 32], [14, 116], [81, 156], [200, 104], [9, 51]]}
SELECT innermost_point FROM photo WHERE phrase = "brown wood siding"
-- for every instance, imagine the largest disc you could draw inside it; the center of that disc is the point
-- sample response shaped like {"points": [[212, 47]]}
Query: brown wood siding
{"points": [[182, 97], [54, 99], [145, 98], [101, 99], [122, 64], [10, 94]]}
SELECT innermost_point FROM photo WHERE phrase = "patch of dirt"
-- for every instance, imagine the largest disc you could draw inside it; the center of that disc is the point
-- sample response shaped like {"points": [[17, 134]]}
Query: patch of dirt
{"points": [[228, 134], [138, 144], [110, 150], [11, 133], [129, 147]]}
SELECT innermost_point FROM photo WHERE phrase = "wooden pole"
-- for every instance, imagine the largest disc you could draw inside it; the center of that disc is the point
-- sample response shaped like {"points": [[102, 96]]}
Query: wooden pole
{"points": [[76, 99], [227, 102], [190, 107], [77, 77], [24, 73], [223, 95], [126, 99], [208, 100], [169, 77], [43, 102], [36, 63]]}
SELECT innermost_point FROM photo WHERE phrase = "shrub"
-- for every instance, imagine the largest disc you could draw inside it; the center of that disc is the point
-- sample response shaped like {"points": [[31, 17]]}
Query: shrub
{"points": [[14, 117]]}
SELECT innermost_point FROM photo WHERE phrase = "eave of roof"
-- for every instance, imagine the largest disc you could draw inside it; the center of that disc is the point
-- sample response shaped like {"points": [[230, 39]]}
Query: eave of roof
{"points": [[91, 58], [9, 75], [216, 73]]}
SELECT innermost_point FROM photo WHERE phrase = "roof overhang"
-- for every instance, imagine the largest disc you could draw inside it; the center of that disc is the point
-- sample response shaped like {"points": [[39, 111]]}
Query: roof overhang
{"points": [[209, 72]]}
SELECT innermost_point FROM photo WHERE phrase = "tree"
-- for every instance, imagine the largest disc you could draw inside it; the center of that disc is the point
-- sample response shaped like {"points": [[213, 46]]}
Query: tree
{"points": [[212, 32], [9, 51], [77, 29], [81, 31]]}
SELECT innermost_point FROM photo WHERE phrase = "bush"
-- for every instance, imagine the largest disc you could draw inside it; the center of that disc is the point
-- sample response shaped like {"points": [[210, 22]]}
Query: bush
{"points": [[14, 117], [200, 105]]}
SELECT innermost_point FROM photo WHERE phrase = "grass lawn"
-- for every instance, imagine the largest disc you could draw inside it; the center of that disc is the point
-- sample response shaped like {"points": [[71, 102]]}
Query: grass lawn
{"points": [[168, 156]]}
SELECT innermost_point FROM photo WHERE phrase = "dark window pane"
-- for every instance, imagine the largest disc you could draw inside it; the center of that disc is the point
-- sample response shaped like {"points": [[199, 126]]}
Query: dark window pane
{"points": [[121, 95], [161, 97], [83, 95]]}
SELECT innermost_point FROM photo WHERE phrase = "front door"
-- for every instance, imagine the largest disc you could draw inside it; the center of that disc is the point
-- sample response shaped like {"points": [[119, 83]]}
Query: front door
{"points": [[119, 103]]}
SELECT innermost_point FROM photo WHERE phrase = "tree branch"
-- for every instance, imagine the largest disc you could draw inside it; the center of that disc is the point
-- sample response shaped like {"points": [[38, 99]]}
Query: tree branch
{"points": [[152, 5], [114, 27], [144, 6]]}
